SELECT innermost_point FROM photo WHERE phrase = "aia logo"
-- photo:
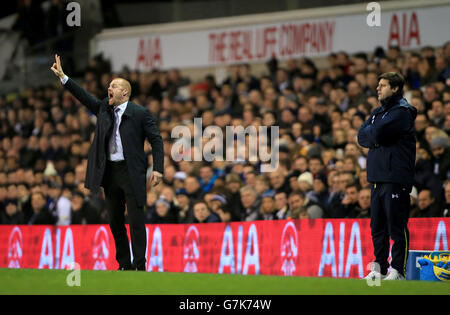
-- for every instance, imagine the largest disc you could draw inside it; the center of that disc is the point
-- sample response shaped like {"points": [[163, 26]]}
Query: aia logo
{"points": [[15, 245], [289, 249], [191, 252], [100, 249]]}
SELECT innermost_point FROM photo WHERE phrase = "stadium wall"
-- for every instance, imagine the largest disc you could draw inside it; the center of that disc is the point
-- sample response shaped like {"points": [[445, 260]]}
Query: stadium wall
{"points": [[213, 43], [340, 248]]}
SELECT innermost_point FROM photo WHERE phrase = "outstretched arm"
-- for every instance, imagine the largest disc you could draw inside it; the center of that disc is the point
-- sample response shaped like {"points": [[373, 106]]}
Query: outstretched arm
{"points": [[80, 94]]}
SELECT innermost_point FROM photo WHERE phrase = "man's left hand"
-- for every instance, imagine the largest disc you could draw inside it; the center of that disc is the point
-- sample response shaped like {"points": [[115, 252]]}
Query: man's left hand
{"points": [[156, 178]]}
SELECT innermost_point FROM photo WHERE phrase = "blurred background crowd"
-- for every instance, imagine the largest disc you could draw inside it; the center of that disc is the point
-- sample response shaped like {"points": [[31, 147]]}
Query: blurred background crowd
{"points": [[45, 135]]}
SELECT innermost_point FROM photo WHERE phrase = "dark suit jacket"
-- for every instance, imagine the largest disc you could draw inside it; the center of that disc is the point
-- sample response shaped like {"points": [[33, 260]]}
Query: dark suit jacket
{"points": [[42, 217], [137, 124]]}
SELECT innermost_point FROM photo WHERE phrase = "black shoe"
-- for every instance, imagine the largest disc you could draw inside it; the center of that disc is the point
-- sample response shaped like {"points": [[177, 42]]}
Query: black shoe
{"points": [[124, 268], [138, 267]]}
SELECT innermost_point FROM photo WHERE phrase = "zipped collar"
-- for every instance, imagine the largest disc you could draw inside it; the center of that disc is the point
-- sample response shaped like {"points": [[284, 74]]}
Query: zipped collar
{"points": [[391, 101]]}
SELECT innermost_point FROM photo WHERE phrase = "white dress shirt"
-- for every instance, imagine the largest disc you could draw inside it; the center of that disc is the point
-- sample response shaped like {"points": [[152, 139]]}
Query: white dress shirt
{"points": [[118, 154], [64, 80]]}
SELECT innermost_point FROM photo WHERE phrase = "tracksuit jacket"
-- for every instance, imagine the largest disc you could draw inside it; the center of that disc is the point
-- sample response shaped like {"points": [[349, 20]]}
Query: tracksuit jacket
{"points": [[389, 133]]}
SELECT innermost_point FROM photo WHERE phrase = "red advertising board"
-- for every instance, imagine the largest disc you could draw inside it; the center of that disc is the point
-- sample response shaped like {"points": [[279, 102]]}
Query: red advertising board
{"points": [[329, 248]]}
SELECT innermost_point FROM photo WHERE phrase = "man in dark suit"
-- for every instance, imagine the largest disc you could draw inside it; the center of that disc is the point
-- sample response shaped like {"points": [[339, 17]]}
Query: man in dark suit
{"points": [[117, 161]]}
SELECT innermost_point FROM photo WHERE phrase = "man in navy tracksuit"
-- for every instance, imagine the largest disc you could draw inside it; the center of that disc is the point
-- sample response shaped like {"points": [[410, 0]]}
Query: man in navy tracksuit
{"points": [[389, 133]]}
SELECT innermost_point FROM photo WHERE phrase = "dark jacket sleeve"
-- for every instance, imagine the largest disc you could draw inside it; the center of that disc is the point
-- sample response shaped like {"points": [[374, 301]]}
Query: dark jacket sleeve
{"points": [[365, 135], [386, 129], [154, 137], [92, 103], [395, 123]]}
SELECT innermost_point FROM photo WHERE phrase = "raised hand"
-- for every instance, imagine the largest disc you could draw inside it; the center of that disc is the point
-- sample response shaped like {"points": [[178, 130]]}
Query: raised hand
{"points": [[56, 68]]}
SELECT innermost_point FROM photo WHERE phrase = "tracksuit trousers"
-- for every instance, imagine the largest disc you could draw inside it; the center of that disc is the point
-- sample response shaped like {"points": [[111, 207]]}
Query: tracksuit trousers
{"points": [[389, 213]]}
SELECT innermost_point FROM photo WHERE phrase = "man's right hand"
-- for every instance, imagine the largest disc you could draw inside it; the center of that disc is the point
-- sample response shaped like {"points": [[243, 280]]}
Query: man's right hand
{"points": [[56, 68]]}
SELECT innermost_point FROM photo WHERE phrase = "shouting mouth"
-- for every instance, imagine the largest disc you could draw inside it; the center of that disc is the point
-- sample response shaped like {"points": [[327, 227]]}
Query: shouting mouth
{"points": [[110, 98]]}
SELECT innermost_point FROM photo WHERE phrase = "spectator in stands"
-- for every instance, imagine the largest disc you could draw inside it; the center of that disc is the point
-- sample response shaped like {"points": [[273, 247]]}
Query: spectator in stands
{"points": [[303, 214], [185, 212], [278, 180], [424, 169], [203, 214], [193, 188], [335, 206], [292, 179], [321, 193], [268, 210], [363, 204], [353, 150], [262, 185], [440, 149], [81, 211], [224, 213], [421, 123], [281, 205], [363, 183], [246, 76], [151, 198], [436, 113], [164, 213], [313, 210], [447, 123], [427, 206], [218, 201], [251, 203], [30, 153], [350, 202], [24, 201], [355, 94], [12, 215], [3, 198], [305, 183], [59, 206], [207, 178], [430, 95], [351, 165], [316, 166], [95, 201], [446, 207], [41, 214]]}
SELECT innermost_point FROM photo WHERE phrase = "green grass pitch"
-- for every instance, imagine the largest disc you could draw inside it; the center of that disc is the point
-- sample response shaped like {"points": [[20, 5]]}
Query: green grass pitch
{"points": [[32, 281]]}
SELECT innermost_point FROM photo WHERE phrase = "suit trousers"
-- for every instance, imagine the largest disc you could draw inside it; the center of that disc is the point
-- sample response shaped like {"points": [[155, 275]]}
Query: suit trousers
{"points": [[118, 192], [389, 213]]}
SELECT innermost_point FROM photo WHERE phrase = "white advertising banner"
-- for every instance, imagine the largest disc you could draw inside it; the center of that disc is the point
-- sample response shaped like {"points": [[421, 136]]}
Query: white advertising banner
{"points": [[409, 29]]}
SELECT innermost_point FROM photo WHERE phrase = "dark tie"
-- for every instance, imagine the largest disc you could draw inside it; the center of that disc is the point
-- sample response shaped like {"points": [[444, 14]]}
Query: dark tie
{"points": [[113, 148]]}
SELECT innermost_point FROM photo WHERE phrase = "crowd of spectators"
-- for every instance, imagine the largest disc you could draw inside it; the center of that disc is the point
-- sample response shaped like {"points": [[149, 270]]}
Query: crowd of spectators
{"points": [[45, 136]]}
